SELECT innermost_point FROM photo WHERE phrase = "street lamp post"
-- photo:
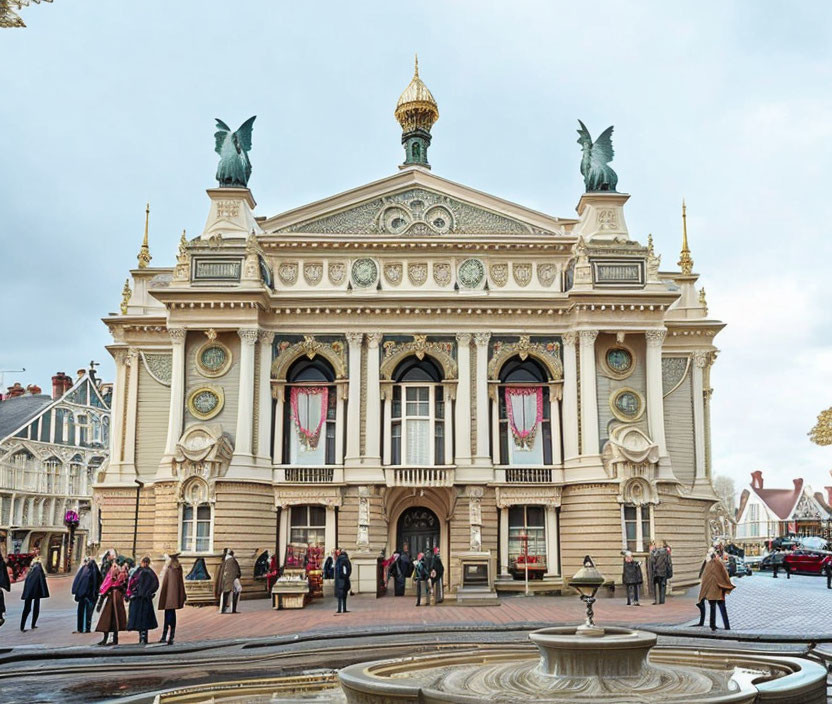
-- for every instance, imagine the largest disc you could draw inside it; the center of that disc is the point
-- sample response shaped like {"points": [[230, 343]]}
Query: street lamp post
{"points": [[587, 581], [139, 486], [524, 536]]}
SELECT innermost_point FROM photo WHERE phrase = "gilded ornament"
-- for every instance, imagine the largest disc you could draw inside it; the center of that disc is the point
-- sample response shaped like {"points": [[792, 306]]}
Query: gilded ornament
{"points": [[618, 361], [205, 402], [364, 272], [393, 273], [626, 404], [522, 274], [499, 274], [685, 260], [442, 273], [212, 359], [417, 273], [313, 272], [125, 296], [144, 253], [471, 273]]}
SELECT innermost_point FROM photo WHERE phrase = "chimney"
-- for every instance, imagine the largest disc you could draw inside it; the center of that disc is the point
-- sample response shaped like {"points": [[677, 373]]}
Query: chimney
{"points": [[15, 390], [33, 389], [757, 479], [828, 494], [61, 383], [80, 373]]}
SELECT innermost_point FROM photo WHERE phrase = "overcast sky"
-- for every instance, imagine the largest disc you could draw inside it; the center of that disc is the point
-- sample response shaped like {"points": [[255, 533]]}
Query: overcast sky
{"points": [[106, 105]]}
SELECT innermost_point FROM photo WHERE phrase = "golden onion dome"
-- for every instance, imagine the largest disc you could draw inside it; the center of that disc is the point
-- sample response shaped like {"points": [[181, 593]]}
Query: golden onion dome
{"points": [[416, 108]]}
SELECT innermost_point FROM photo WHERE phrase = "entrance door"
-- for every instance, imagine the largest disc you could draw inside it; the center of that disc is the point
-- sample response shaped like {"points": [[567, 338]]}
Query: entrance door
{"points": [[417, 531]]}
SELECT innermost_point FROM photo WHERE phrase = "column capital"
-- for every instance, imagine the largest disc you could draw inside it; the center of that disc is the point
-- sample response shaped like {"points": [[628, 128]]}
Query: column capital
{"points": [[248, 335], [588, 337], [701, 358], [373, 338], [354, 338], [463, 338], [119, 355], [655, 338], [482, 338], [265, 337], [177, 335], [570, 338], [132, 355]]}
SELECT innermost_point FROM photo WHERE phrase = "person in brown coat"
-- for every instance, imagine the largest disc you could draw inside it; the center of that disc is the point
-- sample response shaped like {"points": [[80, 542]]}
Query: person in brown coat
{"points": [[227, 573], [171, 596], [715, 585], [113, 617]]}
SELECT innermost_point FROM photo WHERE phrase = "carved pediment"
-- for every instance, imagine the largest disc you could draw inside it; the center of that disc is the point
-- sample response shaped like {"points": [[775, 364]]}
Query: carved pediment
{"points": [[412, 212]]}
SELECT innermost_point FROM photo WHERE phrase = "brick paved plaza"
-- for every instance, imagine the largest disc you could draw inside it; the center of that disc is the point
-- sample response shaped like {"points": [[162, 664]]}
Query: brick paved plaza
{"points": [[799, 607]]}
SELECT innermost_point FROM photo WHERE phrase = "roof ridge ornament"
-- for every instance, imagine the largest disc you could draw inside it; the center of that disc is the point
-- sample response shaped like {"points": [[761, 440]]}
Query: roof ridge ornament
{"points": [[144, 253], [685, 260], [416, 112]]}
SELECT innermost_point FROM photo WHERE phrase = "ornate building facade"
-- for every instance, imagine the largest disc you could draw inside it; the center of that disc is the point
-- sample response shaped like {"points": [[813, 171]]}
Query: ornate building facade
{"points": [[414, 363], [51, 451]]}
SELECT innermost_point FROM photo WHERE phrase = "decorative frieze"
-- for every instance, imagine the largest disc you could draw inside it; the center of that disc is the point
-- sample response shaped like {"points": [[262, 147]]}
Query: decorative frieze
{"points": [[522, 274], [364, 273], [471, 273], [393, 273], [287, 272], [337, 273], [499, 274], [521, 495], [313, 272], [546, 274], [417, 273], [442, 273]]}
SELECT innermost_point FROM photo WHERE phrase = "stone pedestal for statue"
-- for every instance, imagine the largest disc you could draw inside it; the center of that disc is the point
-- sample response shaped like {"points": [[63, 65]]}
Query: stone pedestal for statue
{"points": [[231, 214], [602, 217], [477, 580]]}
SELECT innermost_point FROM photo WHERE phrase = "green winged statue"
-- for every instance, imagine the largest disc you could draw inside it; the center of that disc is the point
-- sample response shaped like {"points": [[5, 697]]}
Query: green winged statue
{"points": [[598, 174], [234, 168]]}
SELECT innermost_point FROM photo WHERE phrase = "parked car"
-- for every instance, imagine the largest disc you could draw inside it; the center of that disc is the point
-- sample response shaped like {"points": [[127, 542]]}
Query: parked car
{"points": [[753, 561], [737, 567], [765, 563], [807, 561]]}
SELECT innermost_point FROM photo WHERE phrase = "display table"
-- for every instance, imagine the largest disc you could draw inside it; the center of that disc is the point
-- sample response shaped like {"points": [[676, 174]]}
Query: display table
{"points": [[291, 590]]}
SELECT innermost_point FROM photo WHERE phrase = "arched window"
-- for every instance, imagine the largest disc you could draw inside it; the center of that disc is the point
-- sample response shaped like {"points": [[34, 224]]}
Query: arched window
{"points": [[53, 473], [417, 429], [105, 431], [309, 415], [196, 518], [525, 423], [95, 424]]}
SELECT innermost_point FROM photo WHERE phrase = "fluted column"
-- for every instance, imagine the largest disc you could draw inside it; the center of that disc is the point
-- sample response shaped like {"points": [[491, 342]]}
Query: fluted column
{"points": [[264, 398], [483, 430], [372, 434], [116, 410], [462, 407], [353, 455], [700, 361], [570, 397], [655, 401], [177, 389], [130, 417], [245, 410], [589, 395]]}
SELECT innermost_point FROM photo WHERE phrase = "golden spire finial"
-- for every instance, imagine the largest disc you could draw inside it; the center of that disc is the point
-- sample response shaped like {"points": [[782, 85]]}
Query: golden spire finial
{"points": [[416, 66], [144, 253], [125, 296], [685, 260]]}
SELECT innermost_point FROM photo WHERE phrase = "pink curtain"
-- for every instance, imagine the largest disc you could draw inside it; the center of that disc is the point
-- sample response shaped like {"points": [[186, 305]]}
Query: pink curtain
{"points": [[309, 406], [524, 407]]}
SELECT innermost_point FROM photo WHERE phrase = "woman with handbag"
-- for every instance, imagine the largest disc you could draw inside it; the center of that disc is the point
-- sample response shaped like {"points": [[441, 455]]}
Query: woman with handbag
{"points": [[111, 604]]}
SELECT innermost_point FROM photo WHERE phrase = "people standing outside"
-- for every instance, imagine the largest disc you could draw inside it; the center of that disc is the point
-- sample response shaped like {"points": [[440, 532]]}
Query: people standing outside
{"points": [[660, 568], [437, 574], [5, 584], [715, 585], [343, 570], [34, 589], [111, 604], [85, 589], [827, 570], [397, 573], [228, 581], [632, 578], [421, 575], [778, 562], [143, 586], [171, 596]]}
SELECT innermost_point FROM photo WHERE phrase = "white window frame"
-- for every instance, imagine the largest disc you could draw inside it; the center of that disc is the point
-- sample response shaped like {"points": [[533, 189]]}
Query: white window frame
{"points": [[195, 502], [642, 542], [308, 525], [430, 417]]}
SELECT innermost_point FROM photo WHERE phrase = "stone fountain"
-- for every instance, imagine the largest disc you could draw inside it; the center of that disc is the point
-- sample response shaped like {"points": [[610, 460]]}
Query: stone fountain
{"points": [[583, 663]]}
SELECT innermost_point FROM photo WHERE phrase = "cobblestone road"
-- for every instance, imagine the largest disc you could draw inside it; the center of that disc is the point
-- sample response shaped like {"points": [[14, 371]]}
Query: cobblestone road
{"points": [[799, 607]]}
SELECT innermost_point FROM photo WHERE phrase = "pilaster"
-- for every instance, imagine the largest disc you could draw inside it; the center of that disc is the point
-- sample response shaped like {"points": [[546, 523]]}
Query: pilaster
{"points": [[570, 397], [177, 401], [353, 453], [372, 445], [130, 415], [264, 399], [589, 395], [655, 401], [483, 456], [463, 400], [700, 361], [243, 436]]}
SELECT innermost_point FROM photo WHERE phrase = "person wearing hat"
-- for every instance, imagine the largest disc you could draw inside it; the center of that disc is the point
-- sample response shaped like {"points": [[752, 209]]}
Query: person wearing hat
{"points": [[34, 589], [171, 596]]}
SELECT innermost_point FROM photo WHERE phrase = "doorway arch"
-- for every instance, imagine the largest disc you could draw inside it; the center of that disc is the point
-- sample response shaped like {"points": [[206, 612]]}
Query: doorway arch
{"points": [[418, 530]]}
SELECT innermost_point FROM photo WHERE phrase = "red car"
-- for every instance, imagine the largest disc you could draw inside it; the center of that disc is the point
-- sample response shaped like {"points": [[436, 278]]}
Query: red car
{"points": [[807, 562]]}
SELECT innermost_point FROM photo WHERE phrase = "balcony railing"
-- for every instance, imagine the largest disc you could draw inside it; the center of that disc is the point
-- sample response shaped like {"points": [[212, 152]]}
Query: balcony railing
{"points": [[528, 475], [28, 479], [309, 475], [419, 476]]}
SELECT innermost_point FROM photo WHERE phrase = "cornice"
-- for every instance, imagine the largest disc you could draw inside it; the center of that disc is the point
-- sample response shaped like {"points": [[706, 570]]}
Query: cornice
{"points": [[332, 244]]}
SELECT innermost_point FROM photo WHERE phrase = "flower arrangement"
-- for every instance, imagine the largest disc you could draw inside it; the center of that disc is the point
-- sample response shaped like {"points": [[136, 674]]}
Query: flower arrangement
{"points": [[71, 519]]}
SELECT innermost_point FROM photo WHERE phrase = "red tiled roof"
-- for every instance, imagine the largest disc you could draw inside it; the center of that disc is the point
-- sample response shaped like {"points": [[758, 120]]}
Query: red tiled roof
{"points": [[781, 501]]}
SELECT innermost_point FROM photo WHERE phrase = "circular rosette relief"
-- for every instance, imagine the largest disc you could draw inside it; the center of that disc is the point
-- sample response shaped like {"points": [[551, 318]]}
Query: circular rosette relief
{"points": [[205, 402], [439, 218], [395, 220]]}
